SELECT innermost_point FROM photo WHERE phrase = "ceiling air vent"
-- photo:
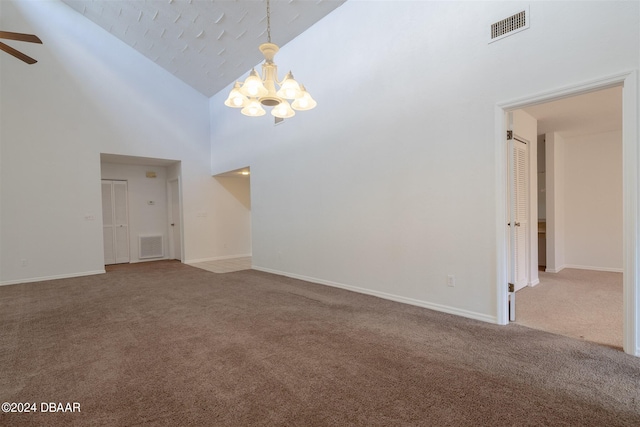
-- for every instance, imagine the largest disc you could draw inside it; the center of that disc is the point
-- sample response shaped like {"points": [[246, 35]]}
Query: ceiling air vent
{"points": [[511, 25]]}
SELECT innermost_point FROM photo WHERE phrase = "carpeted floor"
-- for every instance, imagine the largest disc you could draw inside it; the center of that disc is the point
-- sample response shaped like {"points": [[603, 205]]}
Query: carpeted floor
{"points": [[167, 344], [582, 304]]}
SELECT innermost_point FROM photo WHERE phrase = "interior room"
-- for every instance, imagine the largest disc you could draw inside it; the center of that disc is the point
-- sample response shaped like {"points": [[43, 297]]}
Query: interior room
{"points": [[346, 241], [585, 301]]}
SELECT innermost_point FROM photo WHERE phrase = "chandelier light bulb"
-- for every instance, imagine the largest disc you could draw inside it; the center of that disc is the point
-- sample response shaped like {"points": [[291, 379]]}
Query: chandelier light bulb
{"points": [[290, 89], [253, 109], [236, 99], [305, 102], [253, 85], [283, 110]]}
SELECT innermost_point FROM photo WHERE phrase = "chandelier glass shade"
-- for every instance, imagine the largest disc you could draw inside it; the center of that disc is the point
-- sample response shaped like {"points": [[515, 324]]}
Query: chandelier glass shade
{"points": [[256, 91]]}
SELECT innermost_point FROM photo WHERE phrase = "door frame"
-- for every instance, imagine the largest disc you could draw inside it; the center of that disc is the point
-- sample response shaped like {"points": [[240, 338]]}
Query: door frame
{"points": [[631, 167]]}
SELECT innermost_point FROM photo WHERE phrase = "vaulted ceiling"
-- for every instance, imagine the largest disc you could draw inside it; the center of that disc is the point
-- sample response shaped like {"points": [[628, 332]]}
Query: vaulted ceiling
{"points": [[211, 43], [206, 43]]}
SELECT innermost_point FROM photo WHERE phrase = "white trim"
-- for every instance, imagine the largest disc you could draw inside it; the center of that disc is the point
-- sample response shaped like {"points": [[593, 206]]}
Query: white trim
{"points": [[219, 258], [630, 169], [592, 268], [502, 294], [58, 276], [584, 267], [631, 165], [384, 295], [534, 283], [146, 260], [566, 92]]}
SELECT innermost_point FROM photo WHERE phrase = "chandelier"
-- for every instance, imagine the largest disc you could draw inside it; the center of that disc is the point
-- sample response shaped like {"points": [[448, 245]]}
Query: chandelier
{"points": [[257, 91]]}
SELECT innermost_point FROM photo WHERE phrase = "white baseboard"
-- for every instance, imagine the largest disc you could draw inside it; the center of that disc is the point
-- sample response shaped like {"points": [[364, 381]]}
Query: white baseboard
{"points": [[588, 267], [218, 258], [43, 278], [387, 296], [136, 261], [534, 283], [584, 267]]}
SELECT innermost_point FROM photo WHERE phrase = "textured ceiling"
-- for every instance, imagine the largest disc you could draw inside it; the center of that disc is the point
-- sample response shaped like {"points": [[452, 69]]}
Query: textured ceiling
{"points": [[206, 43]]}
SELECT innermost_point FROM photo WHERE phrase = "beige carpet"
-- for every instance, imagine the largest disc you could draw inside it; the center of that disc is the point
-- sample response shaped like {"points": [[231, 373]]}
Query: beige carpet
{"points": [[165, 344], [581, 304]]}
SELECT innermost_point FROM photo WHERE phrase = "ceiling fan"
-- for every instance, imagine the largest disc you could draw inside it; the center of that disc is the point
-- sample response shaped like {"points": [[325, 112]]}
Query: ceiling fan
{"points": [[20, 37]]}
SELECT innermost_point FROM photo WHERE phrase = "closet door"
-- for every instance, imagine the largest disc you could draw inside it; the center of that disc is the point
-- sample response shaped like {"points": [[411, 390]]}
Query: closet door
{"points": [[121, 221], [115, 214], [108, 229]]}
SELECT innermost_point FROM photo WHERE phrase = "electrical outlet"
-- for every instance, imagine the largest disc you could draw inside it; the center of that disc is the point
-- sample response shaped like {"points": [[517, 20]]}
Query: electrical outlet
{"points": [[451, 280]]}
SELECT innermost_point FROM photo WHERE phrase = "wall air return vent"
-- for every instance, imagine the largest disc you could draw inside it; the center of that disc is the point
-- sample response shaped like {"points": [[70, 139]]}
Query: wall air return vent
{"points": [[151, 247], [509, 26]]}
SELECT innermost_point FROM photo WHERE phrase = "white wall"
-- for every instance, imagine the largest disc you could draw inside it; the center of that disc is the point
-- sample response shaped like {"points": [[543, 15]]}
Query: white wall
{"points": [[144, 219], [593, 201], [526, 126], [389, 184], [584, 202], [555, 201], [88, 94]]}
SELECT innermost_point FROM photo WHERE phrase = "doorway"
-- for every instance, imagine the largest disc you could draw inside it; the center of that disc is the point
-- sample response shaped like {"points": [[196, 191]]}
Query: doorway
{"points": [[580, 199], [628, 82], [148, 203]]}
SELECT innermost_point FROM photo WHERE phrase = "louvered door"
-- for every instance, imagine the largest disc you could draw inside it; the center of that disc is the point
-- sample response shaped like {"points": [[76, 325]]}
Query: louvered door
{"points": [[115, 217], [108, 229], [519, 210]]}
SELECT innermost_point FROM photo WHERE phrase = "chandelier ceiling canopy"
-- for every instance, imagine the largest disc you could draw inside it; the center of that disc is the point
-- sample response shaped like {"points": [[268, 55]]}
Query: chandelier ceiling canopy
{"points": [[267, 91]]}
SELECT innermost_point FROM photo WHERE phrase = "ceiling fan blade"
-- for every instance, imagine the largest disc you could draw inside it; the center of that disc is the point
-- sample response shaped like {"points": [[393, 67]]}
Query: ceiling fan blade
{"points": [[19, 36], [21, 56]]}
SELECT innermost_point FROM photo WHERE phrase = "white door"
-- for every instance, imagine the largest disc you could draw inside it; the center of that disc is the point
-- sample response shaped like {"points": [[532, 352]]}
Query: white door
{"points": [[108, 229], [176, 237], [115, 214], [518, 211]]}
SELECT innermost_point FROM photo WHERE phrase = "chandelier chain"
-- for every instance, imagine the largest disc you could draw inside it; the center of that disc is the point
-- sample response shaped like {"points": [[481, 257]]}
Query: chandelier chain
{"points": [[268, 22]]}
